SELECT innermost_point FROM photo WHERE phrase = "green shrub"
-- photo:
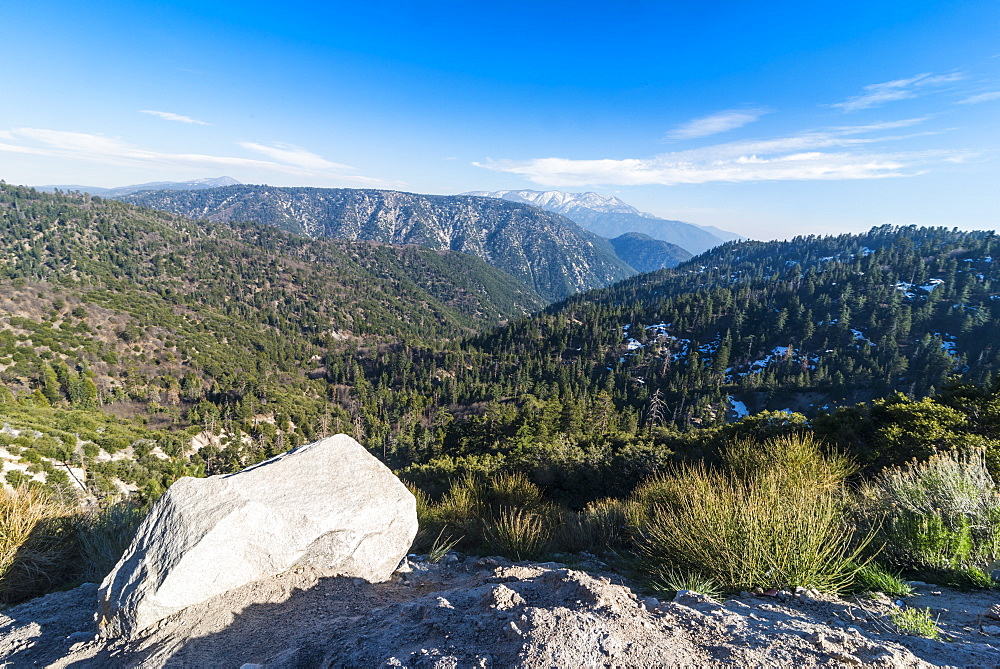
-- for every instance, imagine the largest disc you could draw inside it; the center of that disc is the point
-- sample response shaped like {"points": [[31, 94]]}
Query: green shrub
{"points": [[774, 515], [675, 580], [874, 578], [510, 491], [915, 622], [942, 514], [602, 525], [105, 535], [974, 577], [505, 513]]}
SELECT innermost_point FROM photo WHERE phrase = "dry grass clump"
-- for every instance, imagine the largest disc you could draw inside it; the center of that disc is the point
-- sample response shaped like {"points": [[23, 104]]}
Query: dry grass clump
{"points": [[38, 542], [47, 542], [774, 515]]}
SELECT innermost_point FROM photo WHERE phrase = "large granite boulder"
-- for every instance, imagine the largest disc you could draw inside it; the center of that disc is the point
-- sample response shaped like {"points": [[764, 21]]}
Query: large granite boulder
{"points": [[329, 504]]}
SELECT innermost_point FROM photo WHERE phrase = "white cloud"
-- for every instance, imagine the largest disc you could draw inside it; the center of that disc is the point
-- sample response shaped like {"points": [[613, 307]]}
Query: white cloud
{"points": [[170, 116], [982, 97], [834, 154], [112, 151], [294, 155], [713, 124], [899, 89]]}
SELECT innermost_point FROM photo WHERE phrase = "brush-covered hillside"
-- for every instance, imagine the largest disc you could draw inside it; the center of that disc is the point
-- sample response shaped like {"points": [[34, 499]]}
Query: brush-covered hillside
{"points": [[145, 314]]}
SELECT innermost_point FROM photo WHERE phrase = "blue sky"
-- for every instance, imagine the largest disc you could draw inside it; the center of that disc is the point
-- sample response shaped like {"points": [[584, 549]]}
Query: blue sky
{"points": [[767, 119]]}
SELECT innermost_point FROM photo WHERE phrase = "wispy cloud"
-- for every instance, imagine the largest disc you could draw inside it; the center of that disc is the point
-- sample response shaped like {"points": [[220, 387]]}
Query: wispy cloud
{"points": [[981, 97], [294, 155], [713, 124], [875, 95], [834, 154], [112, 151], [170, 116]]}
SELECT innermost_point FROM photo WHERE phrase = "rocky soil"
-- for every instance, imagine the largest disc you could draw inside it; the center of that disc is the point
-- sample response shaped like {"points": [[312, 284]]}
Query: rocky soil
{"points": [[480, 612]]}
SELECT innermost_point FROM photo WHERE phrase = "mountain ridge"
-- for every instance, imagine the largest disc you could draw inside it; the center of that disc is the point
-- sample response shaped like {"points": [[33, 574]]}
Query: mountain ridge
{"points": [[549, 252], [193, 184]]}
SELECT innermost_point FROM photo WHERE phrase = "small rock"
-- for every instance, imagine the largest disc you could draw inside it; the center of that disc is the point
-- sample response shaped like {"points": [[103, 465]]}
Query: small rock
{"points": [[690, 597], [991, 630], [993, 612], [512, 631], [846, 658], [737, 606]]}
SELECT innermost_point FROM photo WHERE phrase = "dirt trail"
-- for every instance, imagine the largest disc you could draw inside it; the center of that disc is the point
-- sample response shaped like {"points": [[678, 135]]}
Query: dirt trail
{"points": [[491, 612]]}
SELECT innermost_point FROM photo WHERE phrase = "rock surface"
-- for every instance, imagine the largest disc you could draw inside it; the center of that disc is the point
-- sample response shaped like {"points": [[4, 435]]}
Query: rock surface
{"points": [[491, 612], [329, 505]]}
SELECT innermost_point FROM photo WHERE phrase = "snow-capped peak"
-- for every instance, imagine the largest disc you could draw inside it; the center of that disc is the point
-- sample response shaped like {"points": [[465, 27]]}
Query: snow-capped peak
{"points": [[565, 203]]}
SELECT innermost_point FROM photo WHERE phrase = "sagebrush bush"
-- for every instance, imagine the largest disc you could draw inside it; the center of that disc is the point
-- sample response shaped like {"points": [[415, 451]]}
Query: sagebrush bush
{"points": [[774, 514], [942, 514]]}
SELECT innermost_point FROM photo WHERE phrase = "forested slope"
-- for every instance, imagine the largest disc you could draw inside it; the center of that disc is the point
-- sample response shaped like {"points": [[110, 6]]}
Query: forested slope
{"points": [[256, 339]]}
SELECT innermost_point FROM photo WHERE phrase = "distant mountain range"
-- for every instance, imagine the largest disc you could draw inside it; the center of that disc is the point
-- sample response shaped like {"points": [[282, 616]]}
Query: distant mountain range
{"points": [[556, 256], [194, 184], [611, 217], [548, 252]]}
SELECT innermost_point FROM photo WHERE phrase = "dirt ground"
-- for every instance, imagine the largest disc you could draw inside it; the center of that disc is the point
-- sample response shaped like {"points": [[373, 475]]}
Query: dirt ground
{"points": [[485, 612]]}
